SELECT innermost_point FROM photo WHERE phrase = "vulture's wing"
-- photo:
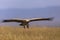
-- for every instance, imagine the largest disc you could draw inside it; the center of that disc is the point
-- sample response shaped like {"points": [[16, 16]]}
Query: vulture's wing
{"points": [[40, 19], [13, 20]]}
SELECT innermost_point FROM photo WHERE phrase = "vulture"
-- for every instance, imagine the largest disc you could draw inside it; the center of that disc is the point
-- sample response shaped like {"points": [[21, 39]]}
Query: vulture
{"points": [[25, 22]]}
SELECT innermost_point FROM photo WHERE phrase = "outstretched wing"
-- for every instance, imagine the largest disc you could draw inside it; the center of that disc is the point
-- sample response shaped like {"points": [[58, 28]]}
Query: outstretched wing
{"points": [[12, 20], [40, 19]]}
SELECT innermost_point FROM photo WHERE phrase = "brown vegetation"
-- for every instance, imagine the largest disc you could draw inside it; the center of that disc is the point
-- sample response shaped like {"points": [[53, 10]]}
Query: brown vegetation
{"points": [[33, 33]]}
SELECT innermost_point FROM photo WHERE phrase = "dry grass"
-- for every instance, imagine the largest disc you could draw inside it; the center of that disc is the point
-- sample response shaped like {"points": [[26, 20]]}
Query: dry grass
{"points": [[16, 33]]}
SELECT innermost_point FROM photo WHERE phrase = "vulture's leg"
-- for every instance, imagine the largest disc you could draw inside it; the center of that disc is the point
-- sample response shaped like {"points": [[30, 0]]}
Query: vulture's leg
{"points": [[24, 26], [27, 25]]}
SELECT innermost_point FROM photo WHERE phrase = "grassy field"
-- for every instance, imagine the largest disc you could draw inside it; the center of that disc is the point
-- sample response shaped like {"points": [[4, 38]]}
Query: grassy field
{"points": [[33, 33]]}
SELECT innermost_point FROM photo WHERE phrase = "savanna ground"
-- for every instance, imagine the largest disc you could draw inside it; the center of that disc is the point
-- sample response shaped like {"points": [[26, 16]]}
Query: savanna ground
{"points": [[33, 33]]}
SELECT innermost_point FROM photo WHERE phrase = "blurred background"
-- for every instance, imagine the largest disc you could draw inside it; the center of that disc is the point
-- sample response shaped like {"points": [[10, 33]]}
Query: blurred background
{"points": [[30, 9]]}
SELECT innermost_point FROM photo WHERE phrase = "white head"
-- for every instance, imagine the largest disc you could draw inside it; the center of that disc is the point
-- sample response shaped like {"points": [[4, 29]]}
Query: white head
{"points": [[27, 20]]}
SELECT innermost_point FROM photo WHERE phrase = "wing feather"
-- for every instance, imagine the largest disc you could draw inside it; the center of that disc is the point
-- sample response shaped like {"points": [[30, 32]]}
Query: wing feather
{"points": [[40, 19], [12, 20]]}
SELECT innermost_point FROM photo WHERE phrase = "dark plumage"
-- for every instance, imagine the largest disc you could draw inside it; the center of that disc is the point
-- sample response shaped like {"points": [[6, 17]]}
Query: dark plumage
{"points": [[25, 22]]}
